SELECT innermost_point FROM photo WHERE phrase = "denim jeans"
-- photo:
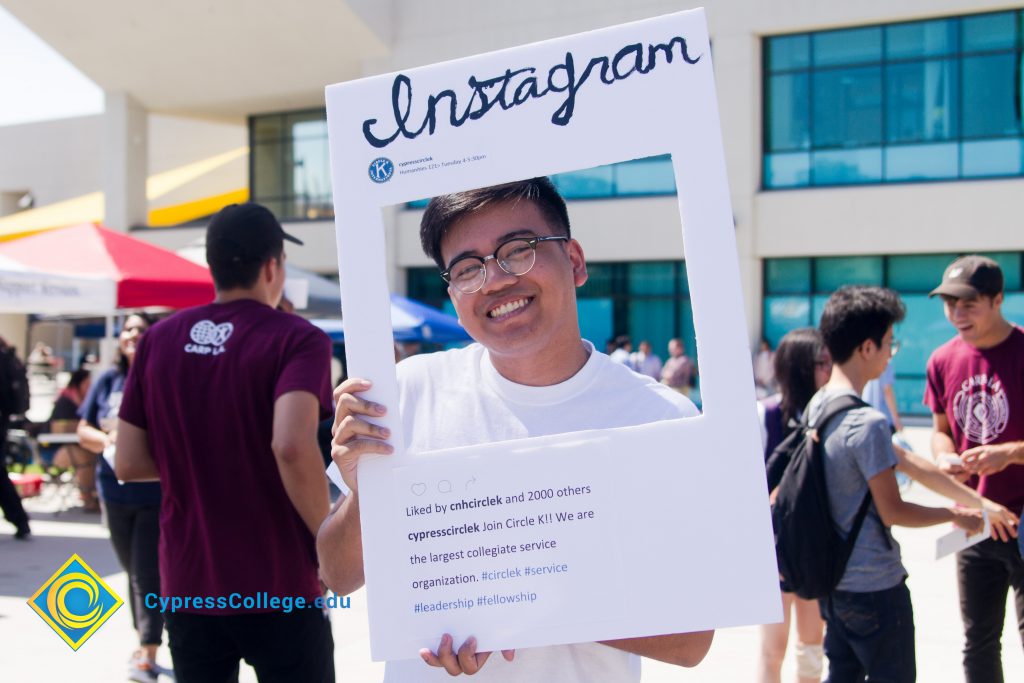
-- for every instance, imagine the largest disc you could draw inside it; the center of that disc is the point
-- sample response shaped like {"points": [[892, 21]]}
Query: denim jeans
{"points": [[870, 636]]}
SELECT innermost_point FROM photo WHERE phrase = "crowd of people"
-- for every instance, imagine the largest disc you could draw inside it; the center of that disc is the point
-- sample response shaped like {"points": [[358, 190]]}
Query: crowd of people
{"points": [[865, 625], [211, 478]]}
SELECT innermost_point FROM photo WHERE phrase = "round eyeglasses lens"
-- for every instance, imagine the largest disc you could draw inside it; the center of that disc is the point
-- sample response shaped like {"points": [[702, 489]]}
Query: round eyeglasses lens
{"points": [[468, 275], [516, 257]]}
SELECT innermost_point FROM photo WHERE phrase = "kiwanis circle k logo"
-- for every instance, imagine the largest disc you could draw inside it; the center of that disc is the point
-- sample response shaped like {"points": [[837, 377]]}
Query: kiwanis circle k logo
{"points": [[981, 408], [75, 602], [381, 169], [208, 338]]}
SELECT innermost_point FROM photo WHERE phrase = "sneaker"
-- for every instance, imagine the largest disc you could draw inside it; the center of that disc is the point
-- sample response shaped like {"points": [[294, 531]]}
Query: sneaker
{"points": [[162, 671], [142, 671], [23, 532], [146, 670]]}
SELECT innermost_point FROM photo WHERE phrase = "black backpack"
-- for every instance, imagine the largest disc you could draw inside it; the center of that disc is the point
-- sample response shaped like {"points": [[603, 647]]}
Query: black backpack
{"points": [[14, 396], [812, 555]]}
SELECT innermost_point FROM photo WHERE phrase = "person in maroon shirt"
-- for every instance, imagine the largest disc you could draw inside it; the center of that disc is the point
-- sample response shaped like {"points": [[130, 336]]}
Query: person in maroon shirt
{"points": [[222, 405], [975, 389]]}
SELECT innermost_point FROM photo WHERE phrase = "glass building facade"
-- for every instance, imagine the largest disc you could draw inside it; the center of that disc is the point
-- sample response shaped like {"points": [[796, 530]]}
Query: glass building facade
{"points": [[289, 169], [917, 101], [795, 291]]}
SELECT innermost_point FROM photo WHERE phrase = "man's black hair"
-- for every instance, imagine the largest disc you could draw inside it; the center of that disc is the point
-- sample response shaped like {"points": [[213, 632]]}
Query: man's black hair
{"points": [[446, 210], [854, 314]]}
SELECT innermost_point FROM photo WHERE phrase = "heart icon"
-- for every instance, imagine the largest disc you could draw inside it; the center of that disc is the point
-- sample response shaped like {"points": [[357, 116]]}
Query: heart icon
{"points": [[419, 488]]}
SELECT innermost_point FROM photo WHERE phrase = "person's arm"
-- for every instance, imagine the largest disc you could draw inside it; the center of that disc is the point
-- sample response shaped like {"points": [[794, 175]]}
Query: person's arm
{"points": [[993, 458], [890, 400], [681, 649], [339, 543], [298, 456], [920, 469], [942, 444], [91, 438], [895, 511], [339, 547], [134, 461]]}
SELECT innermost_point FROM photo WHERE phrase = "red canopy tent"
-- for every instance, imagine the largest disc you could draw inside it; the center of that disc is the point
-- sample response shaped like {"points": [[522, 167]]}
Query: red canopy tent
{"points": [[146, 275]]}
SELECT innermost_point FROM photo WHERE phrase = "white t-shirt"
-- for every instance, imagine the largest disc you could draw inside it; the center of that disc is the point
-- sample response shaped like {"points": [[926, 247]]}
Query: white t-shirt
{"points": [[457, 398]]}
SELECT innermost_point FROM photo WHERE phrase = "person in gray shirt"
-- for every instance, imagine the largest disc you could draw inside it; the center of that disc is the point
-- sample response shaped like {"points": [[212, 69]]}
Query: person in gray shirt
{"points": [[869, 617]]}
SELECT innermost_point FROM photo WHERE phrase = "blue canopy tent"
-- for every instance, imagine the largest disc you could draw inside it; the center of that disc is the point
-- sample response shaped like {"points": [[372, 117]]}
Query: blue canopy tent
{"points": [[412, 322]]}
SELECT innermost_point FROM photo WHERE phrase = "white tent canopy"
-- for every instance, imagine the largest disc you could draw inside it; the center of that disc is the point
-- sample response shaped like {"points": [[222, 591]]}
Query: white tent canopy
{"points": [[27, 290]]}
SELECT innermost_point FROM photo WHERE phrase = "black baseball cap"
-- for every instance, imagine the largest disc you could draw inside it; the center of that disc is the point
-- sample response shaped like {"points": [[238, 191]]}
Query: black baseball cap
{"points": [[245, 232], [969, 277]]}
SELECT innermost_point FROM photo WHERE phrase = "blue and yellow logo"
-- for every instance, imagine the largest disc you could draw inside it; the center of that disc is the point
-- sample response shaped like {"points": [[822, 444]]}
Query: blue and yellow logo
{"points": [[75, 602]]}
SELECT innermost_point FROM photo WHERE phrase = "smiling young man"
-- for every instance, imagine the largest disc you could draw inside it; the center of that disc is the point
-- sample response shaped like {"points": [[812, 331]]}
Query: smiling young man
{"points": [[513, 269], [976, 392]]}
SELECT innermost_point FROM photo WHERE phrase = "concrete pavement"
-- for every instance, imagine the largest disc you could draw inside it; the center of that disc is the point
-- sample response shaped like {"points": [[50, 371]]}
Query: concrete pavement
{"points": [[32, 652]]}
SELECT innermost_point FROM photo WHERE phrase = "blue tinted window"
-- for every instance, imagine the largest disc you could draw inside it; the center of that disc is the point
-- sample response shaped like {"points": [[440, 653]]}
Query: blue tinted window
{"points": [[881, 89], [852, 46], [990, 32], [847, 166], [922, 162], [833, 272], [788, 52], [923, 330], [784, 313], [592, 182], [600, 281], [917, 273], [653, 320], [787, 276], [787, 170], [847, 107], [648, 176], [686, 333], [645, 176], [990, 103], [596, 320], [993, 158], [1013, 308], [652, 278], [818, 302], [909, 392], [921, 101], [789, 114], [921, 39]]}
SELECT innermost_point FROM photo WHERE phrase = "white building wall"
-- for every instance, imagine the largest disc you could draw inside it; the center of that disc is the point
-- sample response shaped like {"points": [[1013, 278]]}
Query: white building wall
{"points": [[55, 160]]}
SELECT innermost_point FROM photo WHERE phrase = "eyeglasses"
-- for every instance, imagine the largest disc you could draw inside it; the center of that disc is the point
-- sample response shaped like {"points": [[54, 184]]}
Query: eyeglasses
{"points": [[894, 347], [515, 256], [823, 363]]}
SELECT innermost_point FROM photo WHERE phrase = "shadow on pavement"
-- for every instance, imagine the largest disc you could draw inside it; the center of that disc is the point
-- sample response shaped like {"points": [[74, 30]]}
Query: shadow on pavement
{"points": [[27, 564]]}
